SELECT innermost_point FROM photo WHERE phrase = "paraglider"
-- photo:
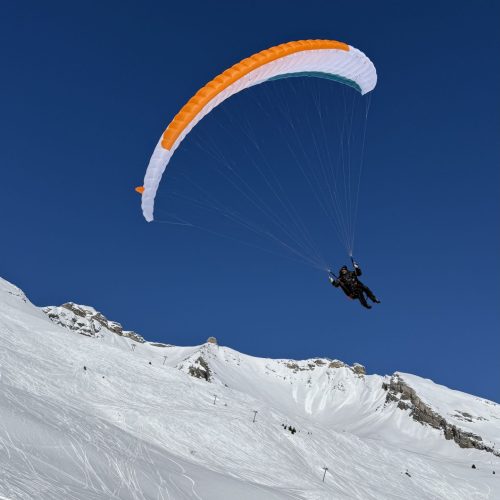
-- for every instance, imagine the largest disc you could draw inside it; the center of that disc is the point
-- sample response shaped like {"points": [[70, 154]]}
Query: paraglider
{"points": [[332, 179], [350, 284]]}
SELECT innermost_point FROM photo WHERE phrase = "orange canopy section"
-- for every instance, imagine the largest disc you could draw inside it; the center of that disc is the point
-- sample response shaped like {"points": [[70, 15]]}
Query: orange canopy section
{"points": [[234, 73]]}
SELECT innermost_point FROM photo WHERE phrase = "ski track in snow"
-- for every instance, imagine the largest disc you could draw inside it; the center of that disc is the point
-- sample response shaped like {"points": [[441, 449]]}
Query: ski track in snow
{"points": [[129, 430]]}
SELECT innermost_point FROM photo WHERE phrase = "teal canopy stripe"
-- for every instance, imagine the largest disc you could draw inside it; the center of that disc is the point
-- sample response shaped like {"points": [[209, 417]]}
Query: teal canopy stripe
{"points": [[319, 74]]}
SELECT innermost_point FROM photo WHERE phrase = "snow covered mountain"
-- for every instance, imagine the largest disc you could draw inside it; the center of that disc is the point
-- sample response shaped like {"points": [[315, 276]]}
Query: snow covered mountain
{"points": [[89, 410]]}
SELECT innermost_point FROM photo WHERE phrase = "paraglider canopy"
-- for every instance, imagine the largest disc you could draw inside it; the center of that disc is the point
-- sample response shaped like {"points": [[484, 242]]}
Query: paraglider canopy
{"points": [[317, 58]]}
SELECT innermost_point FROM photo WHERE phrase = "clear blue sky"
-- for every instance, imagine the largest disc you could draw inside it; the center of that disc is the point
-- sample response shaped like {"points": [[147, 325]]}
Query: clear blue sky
{"points": [[87, 88]]}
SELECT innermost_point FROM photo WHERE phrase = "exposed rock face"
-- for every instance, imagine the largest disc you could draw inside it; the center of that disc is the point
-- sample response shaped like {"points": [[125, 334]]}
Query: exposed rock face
{"points": [[87, 321], [297, 366], [337, 364], [212, 340], [300, 366], [200, 369], [400, 392], [198, 363], [358, 369], [294, 366]]}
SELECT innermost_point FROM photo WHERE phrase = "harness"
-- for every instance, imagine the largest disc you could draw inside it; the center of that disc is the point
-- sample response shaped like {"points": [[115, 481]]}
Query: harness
{"points": [[348, 285]]}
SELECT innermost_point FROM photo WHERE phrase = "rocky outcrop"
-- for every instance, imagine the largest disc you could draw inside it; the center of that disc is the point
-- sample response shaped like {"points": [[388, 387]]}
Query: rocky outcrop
{"points": [[337, 364], [212, 340], [200, 369], [358, 369], [406, 398], [294, 366], [300, 366], [87, 321], [198, 365], [297, 366]]}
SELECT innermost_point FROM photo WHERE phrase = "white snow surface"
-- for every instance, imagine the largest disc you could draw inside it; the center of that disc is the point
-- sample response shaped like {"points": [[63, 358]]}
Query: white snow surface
{"points": [[135, 424]]}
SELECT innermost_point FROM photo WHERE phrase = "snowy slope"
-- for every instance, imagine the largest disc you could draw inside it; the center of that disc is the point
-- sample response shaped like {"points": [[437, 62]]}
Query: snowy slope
{"points": [[108, 416]]}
